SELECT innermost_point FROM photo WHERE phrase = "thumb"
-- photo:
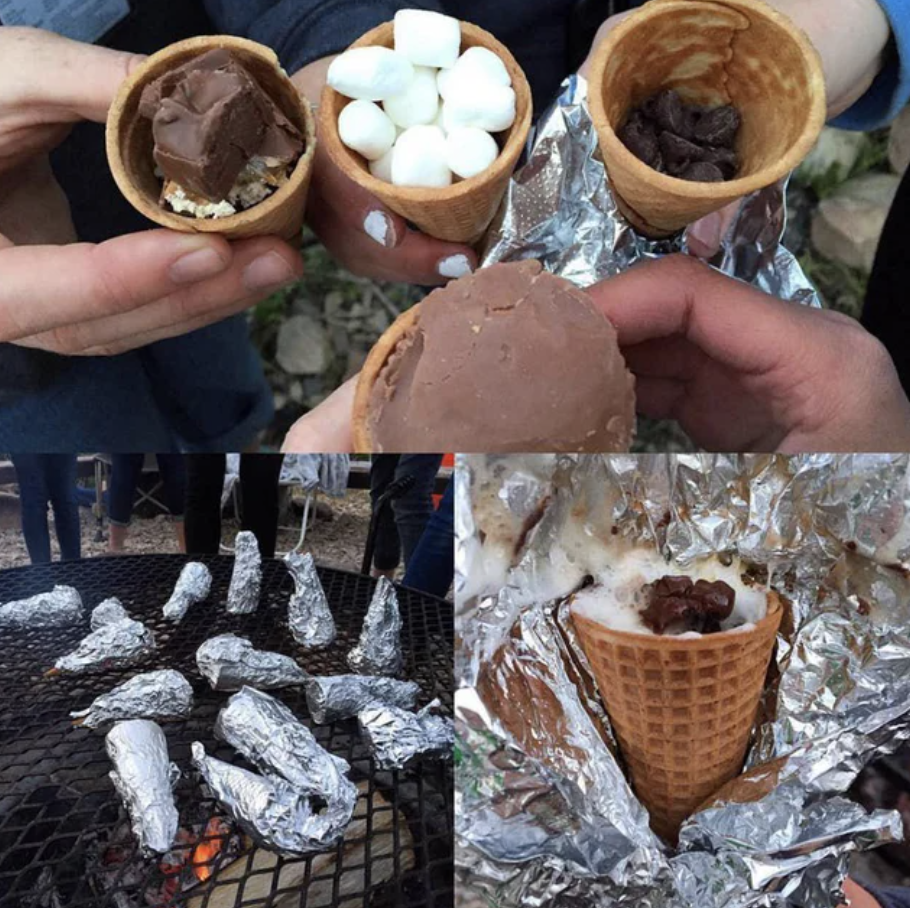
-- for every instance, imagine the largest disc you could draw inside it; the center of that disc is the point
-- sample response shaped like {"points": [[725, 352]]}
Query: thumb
{"points": [[326, 429]]}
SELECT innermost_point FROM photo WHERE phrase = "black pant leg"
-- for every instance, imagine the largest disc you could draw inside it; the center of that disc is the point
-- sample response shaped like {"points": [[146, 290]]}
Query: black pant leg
{"points": [[259, 475], [202, 518], [386, 542]]}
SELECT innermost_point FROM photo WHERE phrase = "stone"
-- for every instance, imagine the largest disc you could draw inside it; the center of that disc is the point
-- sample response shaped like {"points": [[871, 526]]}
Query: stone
{"points": [[899, 142], [847, 225], [303, 347], [839, 147]]}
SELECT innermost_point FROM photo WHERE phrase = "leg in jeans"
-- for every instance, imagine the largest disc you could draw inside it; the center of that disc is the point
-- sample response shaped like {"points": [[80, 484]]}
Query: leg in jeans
{"points": [[259, 475], [61, 490], [172, 469], [432, 565], [31, 474], [413, 510], [202, 516], [125, 472], [386, 544]]}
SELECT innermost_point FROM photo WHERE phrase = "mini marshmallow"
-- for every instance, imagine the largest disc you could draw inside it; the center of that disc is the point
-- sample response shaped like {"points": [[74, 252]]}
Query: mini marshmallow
{"points": [[443, 77], [418, 104], [363, 126], [427, 38], [370, 73], [476, 64], [381, 168], [420, 158], [470, 151], [486, 106]]}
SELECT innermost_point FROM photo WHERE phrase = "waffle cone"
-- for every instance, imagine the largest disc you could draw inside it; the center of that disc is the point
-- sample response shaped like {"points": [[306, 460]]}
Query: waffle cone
{"points": [[683, 710], [713, 52], [459, 213], [130, 144]]}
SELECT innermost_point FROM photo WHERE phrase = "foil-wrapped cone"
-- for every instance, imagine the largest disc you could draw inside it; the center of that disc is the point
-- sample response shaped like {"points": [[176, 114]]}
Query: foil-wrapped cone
{"points": [[334, 697], [309, 616], [114, 645], [271, 737], [143, 777], [192, 586], [397, 736], [229, 662], [246, 580], [109, 611], [61, 607], [379, 650], [270, 810], [158, 695]]}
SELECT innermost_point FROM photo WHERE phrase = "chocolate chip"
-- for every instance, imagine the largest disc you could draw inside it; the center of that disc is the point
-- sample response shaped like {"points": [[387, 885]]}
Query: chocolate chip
{"points": [[722, 158], [670, 113], [700, 606], [702, 172], [640, 138], [717, 127], [677, 150], [672, 585]]}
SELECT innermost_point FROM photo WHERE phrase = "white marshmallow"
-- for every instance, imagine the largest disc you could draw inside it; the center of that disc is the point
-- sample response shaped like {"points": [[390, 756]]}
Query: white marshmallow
{"points": [[443, 77], [470, 151], [476, 64], [364, 126], [480, 104], [418, 104], [439, 119], [420, 158], [381, 168], [370, 73], [427, 38]]}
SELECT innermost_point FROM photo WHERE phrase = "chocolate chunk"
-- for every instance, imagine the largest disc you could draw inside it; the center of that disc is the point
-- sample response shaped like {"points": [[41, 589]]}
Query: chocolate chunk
{"points": [[700, 606], [678, 151], [670, 113], [640, 138], [722, 158], [702, 172], [717, 127]]}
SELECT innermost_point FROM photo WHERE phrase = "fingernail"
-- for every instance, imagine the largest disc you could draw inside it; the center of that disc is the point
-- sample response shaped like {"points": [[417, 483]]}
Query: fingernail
{"points": [[454, 266], [269, 270], [199, 265], [706, 234], [378, 226]]}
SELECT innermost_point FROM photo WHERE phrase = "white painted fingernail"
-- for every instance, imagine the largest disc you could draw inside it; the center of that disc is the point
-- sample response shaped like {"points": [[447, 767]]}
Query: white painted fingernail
{"points": [[454, 266], [378, 227]]}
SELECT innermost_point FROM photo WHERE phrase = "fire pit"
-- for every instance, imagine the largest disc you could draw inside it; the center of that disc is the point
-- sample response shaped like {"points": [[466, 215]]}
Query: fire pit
{"points": [[64, 836]]}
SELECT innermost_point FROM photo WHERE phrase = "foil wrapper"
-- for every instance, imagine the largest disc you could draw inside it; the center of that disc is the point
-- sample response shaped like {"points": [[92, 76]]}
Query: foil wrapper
{"points": [[396, 736], [309, 616], [229, 662], [544, 813], [246, 579], [331, 698], [159, 695], [109, 611], [193, 585], [271, 737], [378, 651], [144, 779], [116, 645], [61, 607]]}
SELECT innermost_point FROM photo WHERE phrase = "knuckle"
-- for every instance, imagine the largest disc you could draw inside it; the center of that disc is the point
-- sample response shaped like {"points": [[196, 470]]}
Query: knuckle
{"points": [[114, 294]]}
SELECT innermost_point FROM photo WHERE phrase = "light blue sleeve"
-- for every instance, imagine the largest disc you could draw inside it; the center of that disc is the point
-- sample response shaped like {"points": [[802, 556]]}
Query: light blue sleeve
{"points": [[891, 89]]}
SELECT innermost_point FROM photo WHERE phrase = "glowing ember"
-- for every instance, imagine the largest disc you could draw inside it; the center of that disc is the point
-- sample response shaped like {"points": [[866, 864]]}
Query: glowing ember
{"points": [[212, 841]]}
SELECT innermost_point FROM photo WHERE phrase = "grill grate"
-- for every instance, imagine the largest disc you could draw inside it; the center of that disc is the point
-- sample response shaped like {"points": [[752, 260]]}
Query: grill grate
{"points": [[55, 796]]}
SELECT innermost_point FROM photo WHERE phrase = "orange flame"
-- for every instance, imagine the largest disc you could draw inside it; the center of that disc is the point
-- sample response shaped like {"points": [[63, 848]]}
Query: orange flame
{"points": [[211, 843]]}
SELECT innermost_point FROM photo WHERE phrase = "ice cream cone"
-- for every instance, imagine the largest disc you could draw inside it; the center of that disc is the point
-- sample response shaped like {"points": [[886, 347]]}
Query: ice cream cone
{"points": [[713, 52], [682, 709], [130, 144], [458, 213]]}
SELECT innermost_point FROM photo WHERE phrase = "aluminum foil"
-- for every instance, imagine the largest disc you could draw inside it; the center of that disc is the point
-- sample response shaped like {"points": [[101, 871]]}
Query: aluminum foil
{"points": [[229, 662], [544, 814], [61, 607], [379, 650], [275, 814], [144, 779], [116, 645], [559, 209], [107, 612], [309, 616], [193, 585], [334, 697], [396, 736], [271, 737], [159, 695], [246, 579]]}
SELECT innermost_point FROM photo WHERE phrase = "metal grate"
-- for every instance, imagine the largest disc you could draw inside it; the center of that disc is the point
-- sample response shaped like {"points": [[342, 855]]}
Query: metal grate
{"points": [[56, 798]]}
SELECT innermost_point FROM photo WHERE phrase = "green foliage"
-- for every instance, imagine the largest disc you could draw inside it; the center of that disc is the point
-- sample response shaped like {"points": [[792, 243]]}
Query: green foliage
{"points": [[842, 288]]}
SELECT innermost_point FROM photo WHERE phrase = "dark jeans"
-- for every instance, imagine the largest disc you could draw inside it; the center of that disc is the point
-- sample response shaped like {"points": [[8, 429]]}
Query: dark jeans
{"points": [[125, 472], [49, 478], [432, 565], [259, 475]]}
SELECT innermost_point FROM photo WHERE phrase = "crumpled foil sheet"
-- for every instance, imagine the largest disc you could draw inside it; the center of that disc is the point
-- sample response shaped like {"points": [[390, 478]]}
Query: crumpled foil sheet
{"points": [[309, 616], [544, 815], [396, 736], [229, 662], [61, 607], [144, 778], [109, 611], [246, 579], [159, 695], [331, 698], [193, 585], [560, 210], [271, 737], [378, 651], [115, 645]]}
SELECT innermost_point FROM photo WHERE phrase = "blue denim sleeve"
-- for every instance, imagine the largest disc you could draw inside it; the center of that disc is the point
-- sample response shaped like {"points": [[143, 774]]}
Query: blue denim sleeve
{"points": [[891, 89], [890, 898], [301, 31]]}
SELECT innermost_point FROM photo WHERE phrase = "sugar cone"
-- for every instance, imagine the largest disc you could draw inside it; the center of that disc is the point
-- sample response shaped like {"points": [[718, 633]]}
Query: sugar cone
{"points": [[130, 144], [713, 52], [458, 213], [682, 709]]}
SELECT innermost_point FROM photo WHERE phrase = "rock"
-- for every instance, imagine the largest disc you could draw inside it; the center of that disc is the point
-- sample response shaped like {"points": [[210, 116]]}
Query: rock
{"points": [[333, 303], [835, 147], [295, 392], [847, 225], [899, 142], [303, 346]]}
